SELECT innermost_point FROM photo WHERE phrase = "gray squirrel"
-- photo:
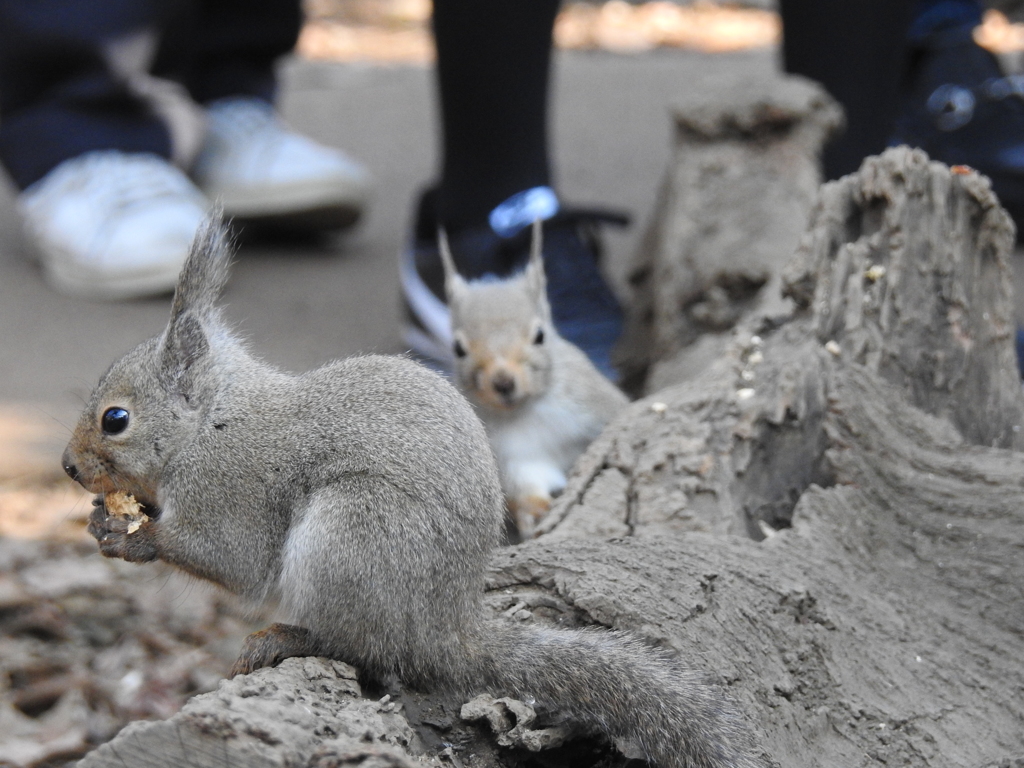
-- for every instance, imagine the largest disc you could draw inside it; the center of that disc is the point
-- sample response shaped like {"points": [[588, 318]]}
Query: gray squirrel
{"points": [[541, 399], [363, 498]]}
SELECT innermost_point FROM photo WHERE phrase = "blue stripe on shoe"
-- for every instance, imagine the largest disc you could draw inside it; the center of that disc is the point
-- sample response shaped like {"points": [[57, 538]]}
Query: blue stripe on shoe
{"points": [[515, 214]]}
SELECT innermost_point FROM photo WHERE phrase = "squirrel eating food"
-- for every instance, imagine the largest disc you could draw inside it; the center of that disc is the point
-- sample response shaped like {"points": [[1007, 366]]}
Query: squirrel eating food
{"points": [[363, 499], [124, 505]]}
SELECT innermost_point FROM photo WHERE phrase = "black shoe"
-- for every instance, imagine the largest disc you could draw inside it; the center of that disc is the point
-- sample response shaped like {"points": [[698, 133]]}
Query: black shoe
{"points": [[962, 110], [583, 307]]}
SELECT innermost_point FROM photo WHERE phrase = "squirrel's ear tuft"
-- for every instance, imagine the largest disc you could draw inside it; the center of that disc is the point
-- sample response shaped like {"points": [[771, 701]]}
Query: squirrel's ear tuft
{"points": [[535, 267], [186, 343], [454, 283], [206, 269]]}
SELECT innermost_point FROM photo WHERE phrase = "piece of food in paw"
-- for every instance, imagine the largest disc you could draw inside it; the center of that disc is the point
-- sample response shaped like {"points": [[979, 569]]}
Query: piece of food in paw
{"points": [[124, 505]]}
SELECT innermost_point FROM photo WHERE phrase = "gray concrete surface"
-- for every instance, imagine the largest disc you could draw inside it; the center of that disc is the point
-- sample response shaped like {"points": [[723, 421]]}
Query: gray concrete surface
{"points": [[300, 307]]}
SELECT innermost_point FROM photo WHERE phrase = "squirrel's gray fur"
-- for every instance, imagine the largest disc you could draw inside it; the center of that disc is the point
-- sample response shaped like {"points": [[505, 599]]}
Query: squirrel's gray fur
{"points": [[364, 497], [542, 401]]}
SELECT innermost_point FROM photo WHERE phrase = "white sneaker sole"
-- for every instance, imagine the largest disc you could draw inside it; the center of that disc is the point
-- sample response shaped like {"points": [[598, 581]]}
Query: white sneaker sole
{"points": [[63, 274], [327, 199]]}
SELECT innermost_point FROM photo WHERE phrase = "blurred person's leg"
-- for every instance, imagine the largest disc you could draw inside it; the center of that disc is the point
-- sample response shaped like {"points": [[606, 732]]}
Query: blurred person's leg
{"points": [[85, 134], [859, 52], [959, 106], [59, 94], [98, 126], [909, 72], [220, 48], [493, 71], [225, 52]]}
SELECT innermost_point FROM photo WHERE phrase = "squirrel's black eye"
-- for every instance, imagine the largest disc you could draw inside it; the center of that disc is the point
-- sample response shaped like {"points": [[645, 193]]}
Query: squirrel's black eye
{"points": [[539, 336], [115, 421], [458, 349]]}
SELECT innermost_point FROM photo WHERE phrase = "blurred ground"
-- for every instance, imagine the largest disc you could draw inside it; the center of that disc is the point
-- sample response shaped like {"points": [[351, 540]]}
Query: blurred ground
{"points": [[86, 644]]}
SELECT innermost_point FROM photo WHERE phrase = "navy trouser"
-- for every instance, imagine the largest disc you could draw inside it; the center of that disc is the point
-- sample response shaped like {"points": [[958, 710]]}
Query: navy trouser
{"points": [[862, 51], [64, 87]]}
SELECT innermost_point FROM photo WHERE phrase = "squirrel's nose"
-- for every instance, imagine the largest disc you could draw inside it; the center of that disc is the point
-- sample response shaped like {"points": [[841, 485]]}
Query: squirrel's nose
{"points": [[504, 384], [68, 464]]}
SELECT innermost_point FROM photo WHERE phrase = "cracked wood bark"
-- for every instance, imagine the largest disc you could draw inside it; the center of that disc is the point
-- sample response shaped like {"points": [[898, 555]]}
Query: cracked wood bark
{"points": [[305, 712], [875, 408], [829, 518]]}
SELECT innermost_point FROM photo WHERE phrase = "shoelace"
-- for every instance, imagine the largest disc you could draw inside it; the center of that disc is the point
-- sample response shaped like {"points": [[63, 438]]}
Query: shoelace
{"points": [[114, 180], [588, 220], [592, 215]]}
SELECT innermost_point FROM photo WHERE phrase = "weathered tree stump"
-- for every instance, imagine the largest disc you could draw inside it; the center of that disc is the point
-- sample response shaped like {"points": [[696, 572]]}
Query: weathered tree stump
{"points": [[887, 623], [905, 268], [828, 518], [732, 206]]}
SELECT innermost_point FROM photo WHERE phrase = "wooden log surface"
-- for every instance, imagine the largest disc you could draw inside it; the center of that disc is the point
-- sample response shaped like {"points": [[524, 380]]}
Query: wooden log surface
{"points": [[828, 519]]}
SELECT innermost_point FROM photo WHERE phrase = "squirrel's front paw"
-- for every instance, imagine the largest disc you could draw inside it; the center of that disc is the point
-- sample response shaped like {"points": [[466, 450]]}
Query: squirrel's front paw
{"points": [[117, 536]]}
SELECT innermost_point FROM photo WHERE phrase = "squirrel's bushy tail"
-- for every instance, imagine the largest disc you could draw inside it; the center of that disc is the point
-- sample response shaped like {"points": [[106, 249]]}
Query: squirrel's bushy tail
{"points": [[612, 682]]}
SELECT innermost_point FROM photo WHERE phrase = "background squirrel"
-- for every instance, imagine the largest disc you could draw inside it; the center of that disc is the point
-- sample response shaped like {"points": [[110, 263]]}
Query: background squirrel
{"points": [[541, 399], [363, 498]]}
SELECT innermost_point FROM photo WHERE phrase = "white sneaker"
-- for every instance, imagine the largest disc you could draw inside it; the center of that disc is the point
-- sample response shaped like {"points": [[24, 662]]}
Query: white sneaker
{"points": [[259, 169], [113, 225]]}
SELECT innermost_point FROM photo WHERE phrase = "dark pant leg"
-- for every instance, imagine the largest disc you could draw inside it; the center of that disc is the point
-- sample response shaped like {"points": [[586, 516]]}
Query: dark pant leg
{"points": [[493, 70], [858, 50], [58, 98], [223, 48]]}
